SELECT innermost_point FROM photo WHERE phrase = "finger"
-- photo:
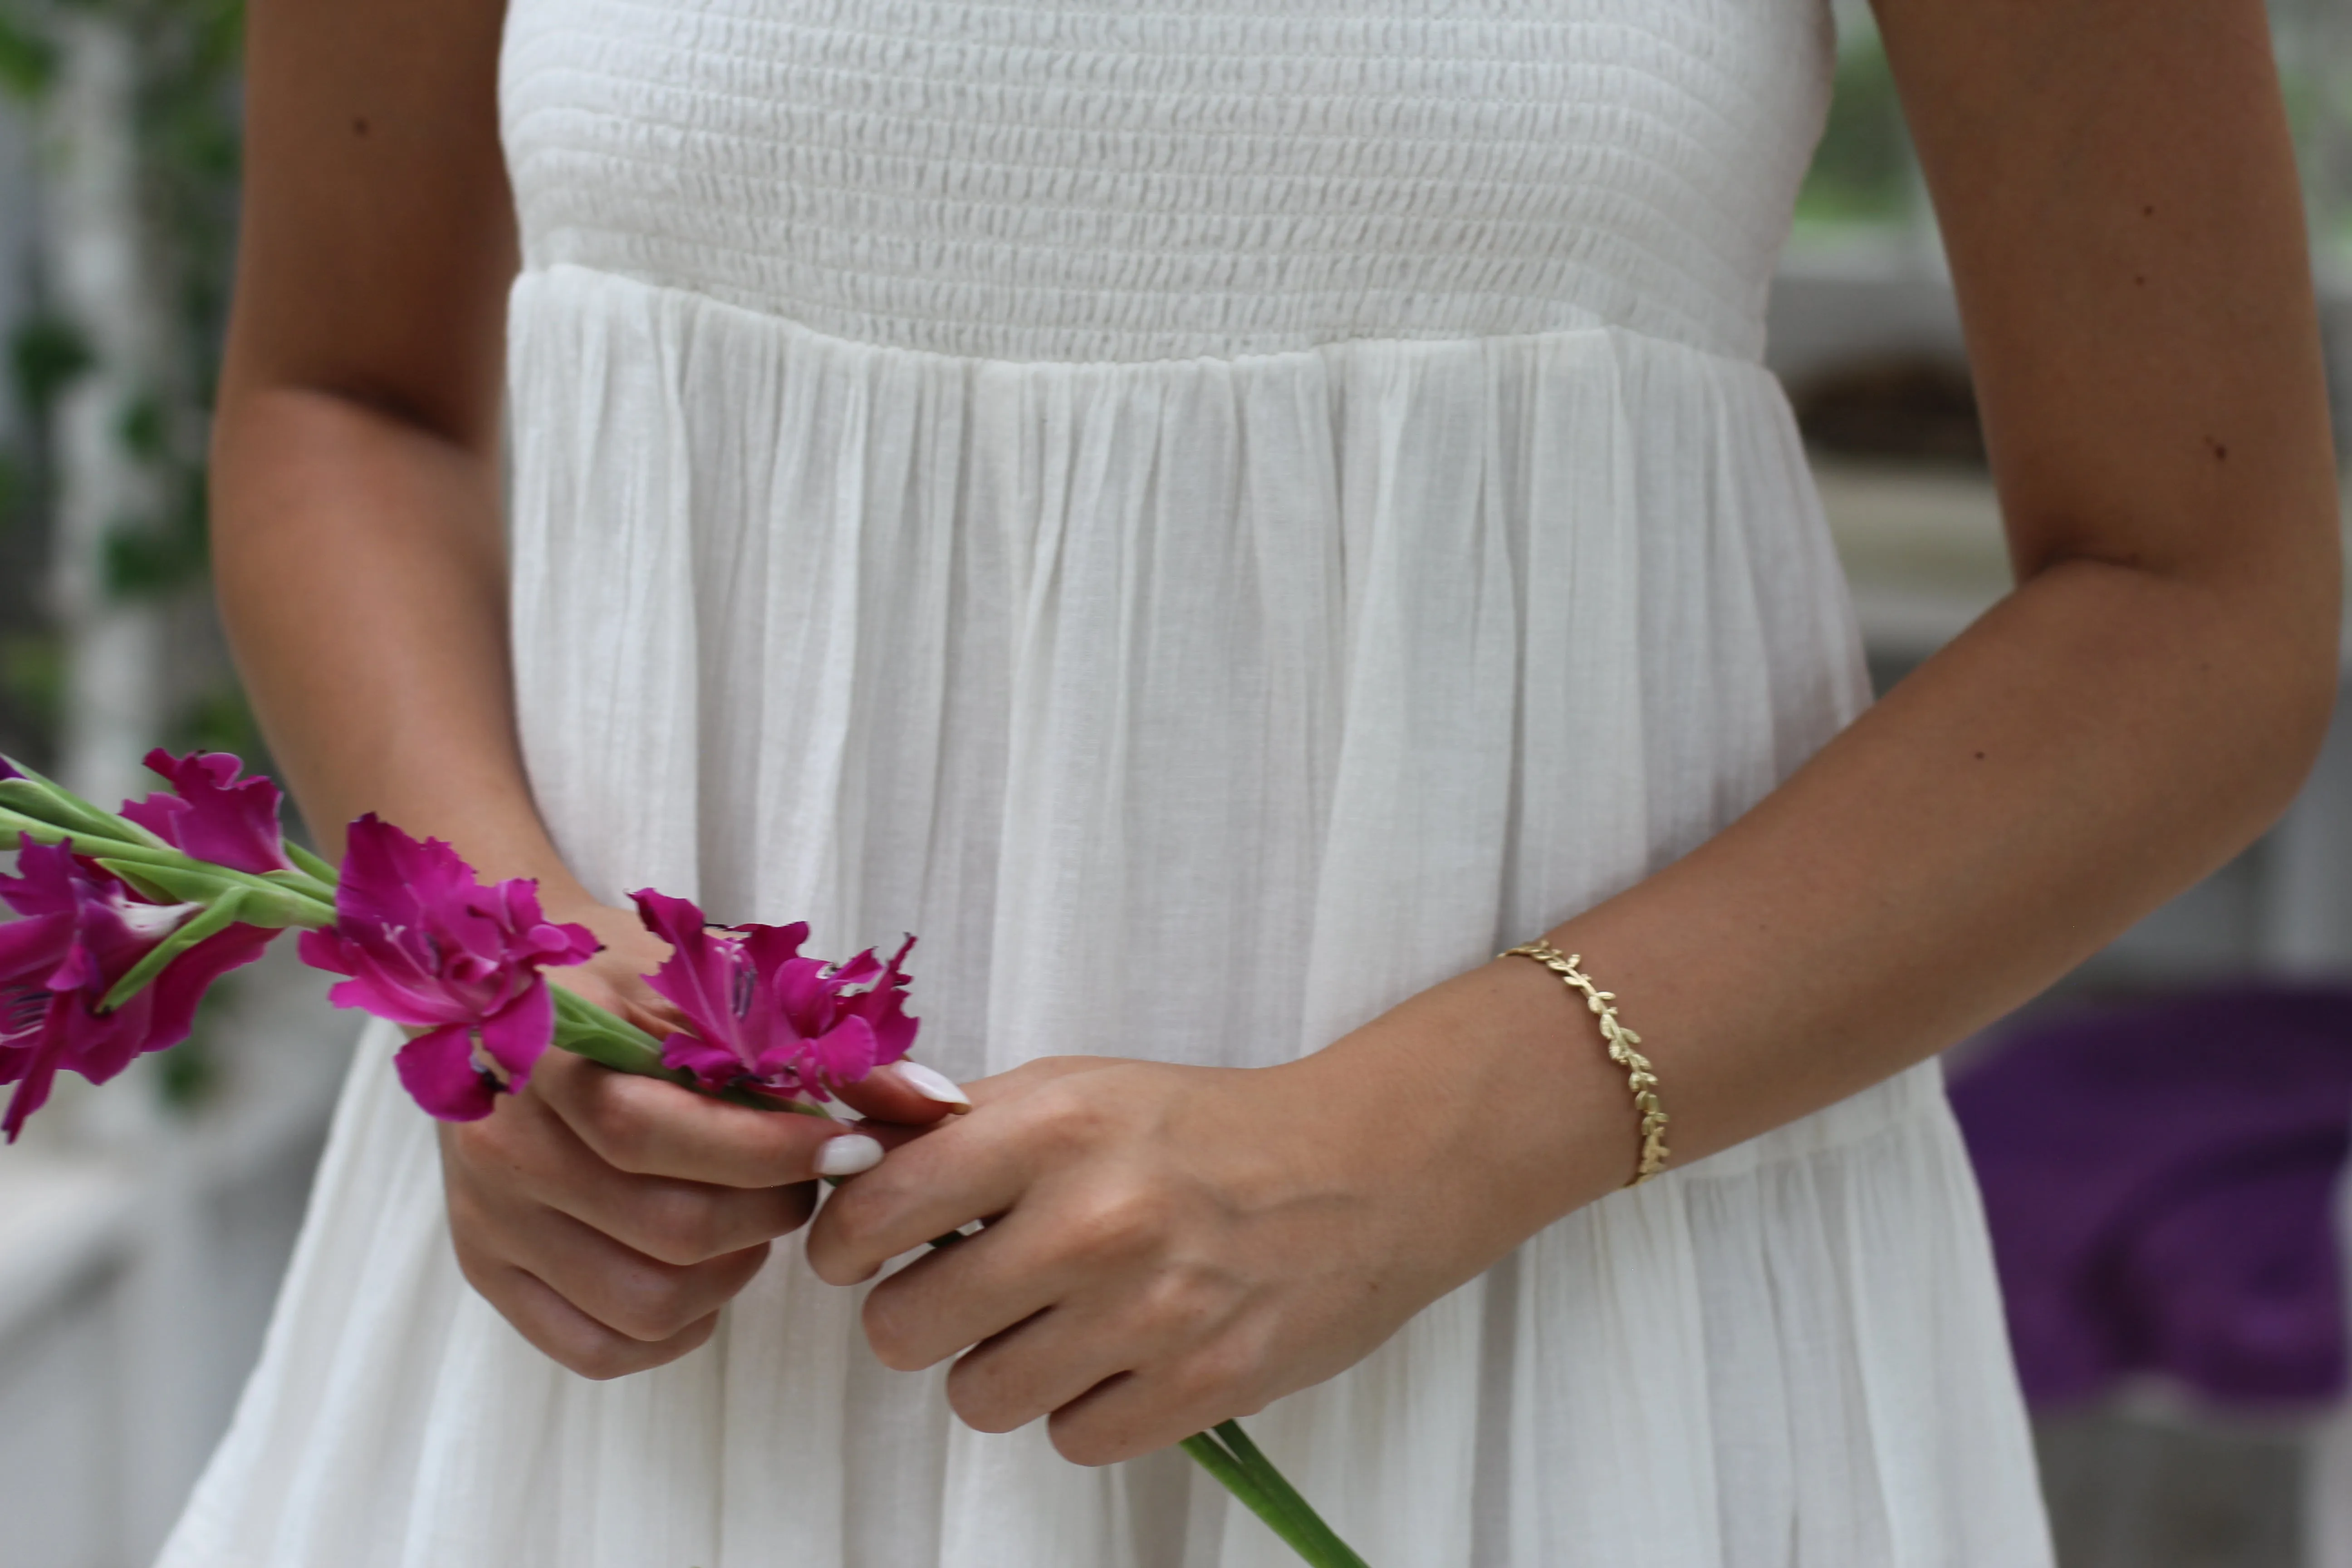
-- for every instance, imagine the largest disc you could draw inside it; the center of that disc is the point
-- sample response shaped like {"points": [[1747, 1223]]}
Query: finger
{"points": [[528, 1148], [968, 1168], [973, 1168], [946, 1300], [628, 1292], [572, 1338], [1053, 1360], [906, 1092], [1139, 1412], [651, 1127], [1032, 1075]]}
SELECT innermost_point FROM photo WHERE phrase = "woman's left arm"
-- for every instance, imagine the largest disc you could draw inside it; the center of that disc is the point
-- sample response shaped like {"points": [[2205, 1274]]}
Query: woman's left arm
{"points": [[2118, 197]]}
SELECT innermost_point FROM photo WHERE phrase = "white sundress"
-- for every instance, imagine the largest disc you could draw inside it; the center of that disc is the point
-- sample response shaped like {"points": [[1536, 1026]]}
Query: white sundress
{"points": [[1217, 516]]}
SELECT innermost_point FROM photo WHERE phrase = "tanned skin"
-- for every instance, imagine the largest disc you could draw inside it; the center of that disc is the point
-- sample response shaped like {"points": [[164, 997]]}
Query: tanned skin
{"points": [[1175, 1245]]}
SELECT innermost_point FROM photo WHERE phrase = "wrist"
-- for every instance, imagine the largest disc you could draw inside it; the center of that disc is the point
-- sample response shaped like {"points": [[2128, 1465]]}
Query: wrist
{"points": [[1491, 1089]]}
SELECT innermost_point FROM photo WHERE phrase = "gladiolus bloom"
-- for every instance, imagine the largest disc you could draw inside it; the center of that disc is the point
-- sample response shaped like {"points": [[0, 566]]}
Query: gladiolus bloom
{"points": [[81, 931], [761, 1015], [428, 945], [212, 814]]}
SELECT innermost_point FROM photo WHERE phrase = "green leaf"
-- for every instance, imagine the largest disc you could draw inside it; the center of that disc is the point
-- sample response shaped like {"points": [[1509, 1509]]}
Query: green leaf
{"points": [[33, 674], [144, 560], [1861, 169], [28, 62], [46, 353], [140, 427]]}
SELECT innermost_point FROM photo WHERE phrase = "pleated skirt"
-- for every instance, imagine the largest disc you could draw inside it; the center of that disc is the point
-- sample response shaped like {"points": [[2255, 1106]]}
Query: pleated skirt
{"points": [[1195, 710]]}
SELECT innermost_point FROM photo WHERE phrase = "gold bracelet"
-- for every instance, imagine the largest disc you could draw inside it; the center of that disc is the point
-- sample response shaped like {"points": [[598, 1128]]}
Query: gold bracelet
{"points": [[1620, 1042]]}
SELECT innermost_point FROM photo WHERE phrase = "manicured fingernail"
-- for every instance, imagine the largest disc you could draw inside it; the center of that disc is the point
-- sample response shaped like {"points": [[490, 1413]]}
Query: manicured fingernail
{"points": [[932, 1084], [847, 1155]]}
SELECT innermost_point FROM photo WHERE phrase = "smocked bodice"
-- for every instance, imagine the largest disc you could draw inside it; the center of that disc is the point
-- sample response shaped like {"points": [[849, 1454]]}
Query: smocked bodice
{"points": [[1110, 182]]}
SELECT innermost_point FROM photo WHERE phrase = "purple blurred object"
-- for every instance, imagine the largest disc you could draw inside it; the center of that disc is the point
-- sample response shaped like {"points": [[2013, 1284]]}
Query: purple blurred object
{"points": [[2159, 1180]]}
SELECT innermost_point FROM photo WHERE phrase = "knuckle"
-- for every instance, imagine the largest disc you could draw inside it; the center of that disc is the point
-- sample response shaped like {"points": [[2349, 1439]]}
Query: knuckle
{"points": [[1116, 1221], [618, 1116], [1063, 1116], [1082, 1441], [892, 1335], [1181, 1301], [680, 1224], [852, 1225], [982, 1406], [618, 1132], [601, 1358], [1216, 1375], [649, 1304], [480, 1268]]}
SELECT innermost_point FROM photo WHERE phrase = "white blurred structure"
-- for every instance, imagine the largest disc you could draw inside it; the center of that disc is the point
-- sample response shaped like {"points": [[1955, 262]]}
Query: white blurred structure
{"points": [[138, 1251], [135, 1279]]}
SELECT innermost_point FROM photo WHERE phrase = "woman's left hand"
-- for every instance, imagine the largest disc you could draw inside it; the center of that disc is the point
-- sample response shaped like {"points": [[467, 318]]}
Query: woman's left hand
{"points": [[1171, 1247]]}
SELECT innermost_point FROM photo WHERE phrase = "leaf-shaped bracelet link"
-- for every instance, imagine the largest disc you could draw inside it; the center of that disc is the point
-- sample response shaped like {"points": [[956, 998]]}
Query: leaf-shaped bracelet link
{"points": [[1639, 1077]]}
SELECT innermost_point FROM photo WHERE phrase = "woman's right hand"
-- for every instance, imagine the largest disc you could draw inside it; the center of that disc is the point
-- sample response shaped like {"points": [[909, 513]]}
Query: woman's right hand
{"points": [[608, 1217]]}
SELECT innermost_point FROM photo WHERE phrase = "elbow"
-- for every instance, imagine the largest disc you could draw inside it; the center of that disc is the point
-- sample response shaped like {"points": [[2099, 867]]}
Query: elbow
{"points": [[2301, 709], [2293, 642]]}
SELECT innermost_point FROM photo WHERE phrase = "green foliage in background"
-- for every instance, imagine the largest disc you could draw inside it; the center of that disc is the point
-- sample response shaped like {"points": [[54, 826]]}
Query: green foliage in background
{"points": [[188, 134], [1862, 171]]}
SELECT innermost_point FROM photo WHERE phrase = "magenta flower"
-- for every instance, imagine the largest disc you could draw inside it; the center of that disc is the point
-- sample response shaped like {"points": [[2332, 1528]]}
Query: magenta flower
{"points": [[215, 815], [761, 1015], [427, 945], [81, 931]]}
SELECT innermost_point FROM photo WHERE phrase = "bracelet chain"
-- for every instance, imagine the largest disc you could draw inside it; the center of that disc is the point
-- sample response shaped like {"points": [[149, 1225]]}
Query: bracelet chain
{"points": [[1639, 1077]]}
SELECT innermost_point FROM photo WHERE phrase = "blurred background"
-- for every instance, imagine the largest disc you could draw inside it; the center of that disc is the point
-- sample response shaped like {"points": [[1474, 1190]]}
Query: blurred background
{"points": [[2171, 1241]]}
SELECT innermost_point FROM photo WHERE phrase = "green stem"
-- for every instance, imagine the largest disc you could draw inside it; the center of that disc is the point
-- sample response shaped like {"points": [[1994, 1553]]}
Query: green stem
{"points": [[326, 876], [1336, 1551], [1236, 1478]]}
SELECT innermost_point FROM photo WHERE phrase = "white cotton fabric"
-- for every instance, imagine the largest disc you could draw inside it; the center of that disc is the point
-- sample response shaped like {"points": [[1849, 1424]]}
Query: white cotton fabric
{"points": [[1217, 518]]}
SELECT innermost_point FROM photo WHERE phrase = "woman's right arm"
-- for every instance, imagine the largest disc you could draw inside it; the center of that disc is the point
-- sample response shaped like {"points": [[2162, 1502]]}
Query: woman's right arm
{"points": [[359, 559], [357, 541]]}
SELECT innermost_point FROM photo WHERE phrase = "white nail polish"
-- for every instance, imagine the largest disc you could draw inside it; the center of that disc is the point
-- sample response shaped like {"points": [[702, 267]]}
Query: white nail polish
{"points": [[932, 1083], [847, 1155]]}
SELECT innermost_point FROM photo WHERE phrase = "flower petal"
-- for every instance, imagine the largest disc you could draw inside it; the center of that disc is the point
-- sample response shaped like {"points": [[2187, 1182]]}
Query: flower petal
{"points": [[714, 1065], [212, 814], [175, 993], [845, 1054], [704, 974], [517, 1035], [439, 1072], [32, 1092]]}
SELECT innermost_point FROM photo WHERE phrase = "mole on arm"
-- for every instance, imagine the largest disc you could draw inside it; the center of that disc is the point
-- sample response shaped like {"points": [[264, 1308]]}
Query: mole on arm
{"points": [[359, 125]]}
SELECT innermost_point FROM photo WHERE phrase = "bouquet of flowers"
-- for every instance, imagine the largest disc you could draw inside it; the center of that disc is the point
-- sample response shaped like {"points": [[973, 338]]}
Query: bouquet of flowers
{"points": [[125, 919]]}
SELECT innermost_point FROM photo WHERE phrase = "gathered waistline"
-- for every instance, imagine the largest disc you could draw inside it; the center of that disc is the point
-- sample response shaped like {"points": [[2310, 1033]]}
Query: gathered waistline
{"points": [[751, 312]]}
